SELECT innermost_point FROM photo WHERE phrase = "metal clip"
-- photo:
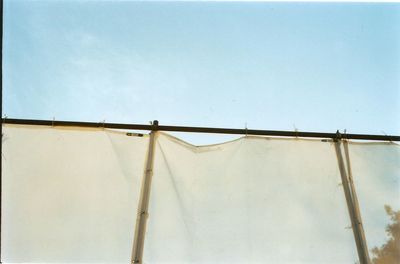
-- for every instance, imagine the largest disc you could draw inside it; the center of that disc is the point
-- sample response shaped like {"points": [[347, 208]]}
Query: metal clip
{"points": [[154, 125], [338, 136]]}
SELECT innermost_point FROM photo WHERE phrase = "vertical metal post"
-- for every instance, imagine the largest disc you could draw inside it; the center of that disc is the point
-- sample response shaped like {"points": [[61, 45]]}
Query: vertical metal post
{"points": [[352, 203], [1, 116], [142, 214]]}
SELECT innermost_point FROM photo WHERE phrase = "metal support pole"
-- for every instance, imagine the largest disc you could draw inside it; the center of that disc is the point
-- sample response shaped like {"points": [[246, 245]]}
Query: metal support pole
{"points": [[352, 202], [142, 214], [214, 130], [355, 201], [1, 115]]}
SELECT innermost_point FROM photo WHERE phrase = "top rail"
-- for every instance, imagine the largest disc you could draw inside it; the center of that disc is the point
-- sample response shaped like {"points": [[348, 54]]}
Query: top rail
{"points": [[156, 127]]}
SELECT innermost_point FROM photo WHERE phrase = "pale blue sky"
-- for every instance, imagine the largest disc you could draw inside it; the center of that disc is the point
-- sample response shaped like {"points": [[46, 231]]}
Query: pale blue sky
{"points": [[315, 66]]}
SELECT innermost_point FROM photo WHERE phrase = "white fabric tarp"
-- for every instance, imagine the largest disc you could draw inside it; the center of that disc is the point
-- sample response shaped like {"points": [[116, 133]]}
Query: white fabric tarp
{"points": [[253, 200], [71, 195], [376, 173]]}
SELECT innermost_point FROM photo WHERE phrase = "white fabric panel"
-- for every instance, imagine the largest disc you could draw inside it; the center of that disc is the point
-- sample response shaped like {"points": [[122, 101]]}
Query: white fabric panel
{"points": [[253, 200], [376, 174], [69, 195]]}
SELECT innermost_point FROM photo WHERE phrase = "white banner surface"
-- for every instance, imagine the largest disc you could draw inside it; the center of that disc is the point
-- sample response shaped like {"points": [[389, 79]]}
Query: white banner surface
{"points": [[71, 195]]}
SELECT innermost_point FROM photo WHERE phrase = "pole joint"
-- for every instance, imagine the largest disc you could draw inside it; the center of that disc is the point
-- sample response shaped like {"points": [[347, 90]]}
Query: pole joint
{"points": [[338, 136], [154, 125]]}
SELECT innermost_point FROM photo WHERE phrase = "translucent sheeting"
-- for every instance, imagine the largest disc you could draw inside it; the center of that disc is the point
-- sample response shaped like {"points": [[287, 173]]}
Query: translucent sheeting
{"points": [[376, 174], [253, 200], [69, 195]]}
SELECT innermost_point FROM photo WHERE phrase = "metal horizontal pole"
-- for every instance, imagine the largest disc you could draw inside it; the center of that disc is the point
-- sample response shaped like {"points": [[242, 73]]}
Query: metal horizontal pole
{"points": [[214, 130]]}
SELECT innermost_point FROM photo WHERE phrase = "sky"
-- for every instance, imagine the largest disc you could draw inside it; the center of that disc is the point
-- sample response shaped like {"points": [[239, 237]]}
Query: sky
{"points": [[260, 65]]}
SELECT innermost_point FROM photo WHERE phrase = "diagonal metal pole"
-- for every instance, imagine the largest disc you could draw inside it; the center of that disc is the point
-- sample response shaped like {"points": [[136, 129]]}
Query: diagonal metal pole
{"points": [[355, 200], [142, 214], [352, 203]]}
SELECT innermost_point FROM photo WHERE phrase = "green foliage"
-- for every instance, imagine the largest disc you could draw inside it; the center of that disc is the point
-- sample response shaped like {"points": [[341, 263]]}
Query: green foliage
{"points": [[389, 253]]}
